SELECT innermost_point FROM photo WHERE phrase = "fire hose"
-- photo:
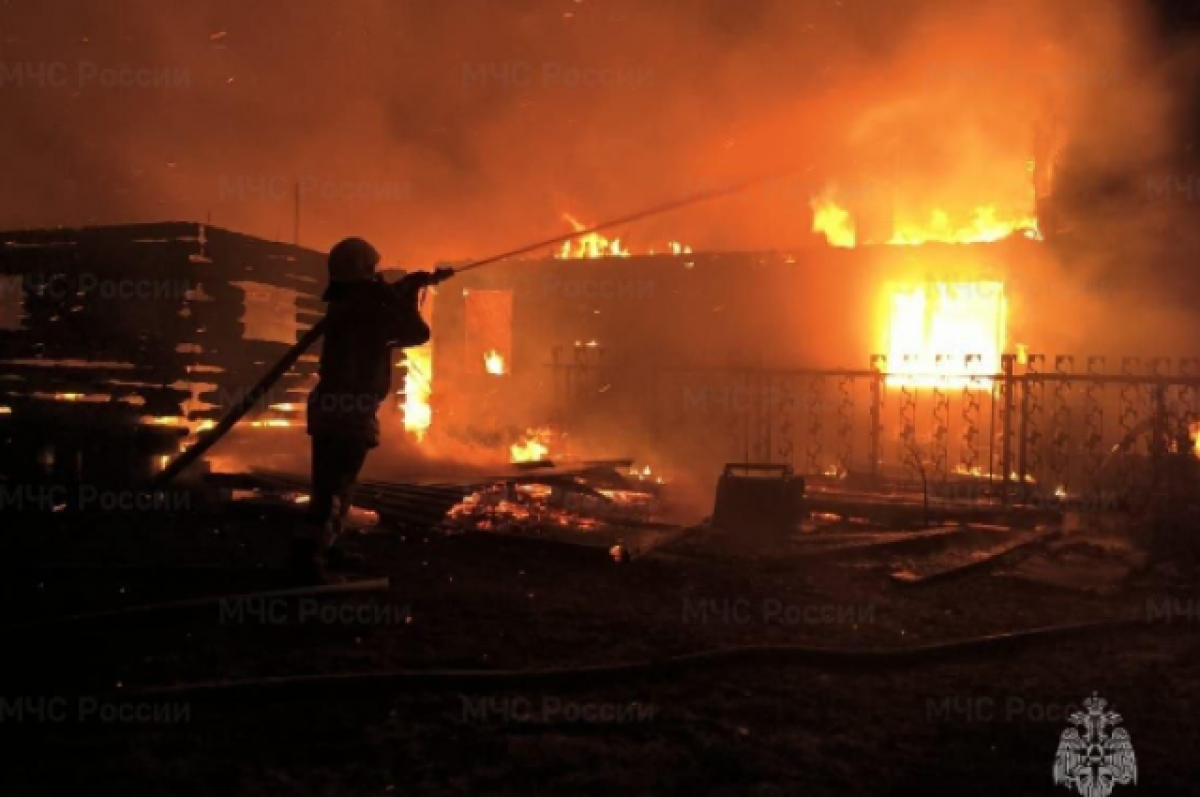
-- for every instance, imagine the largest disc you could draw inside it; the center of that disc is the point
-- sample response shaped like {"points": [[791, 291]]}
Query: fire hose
{"points": [[240, 409], [841, 659]]}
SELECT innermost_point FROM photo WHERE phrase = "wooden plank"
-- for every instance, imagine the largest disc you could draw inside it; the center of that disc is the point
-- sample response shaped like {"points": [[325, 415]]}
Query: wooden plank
{"points": [[979, 561]]}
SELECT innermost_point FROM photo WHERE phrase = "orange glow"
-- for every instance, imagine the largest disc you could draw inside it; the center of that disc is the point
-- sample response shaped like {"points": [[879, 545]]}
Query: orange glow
{"points": [[627, 498], [986, 225], [271, 423], [590, 246], [170, 420], [534, 448], [645, 474], [594, 245], [833, 221], [933, 329], [494, 363], [418, 387], [493, 508]]}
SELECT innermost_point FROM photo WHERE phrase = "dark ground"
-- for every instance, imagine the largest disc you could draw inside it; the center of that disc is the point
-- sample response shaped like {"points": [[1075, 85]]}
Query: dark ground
{"points": [[982, 724]]}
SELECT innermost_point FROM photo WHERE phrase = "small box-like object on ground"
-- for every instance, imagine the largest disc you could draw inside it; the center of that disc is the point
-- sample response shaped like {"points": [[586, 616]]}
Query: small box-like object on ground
{"points": [[758, 501]]}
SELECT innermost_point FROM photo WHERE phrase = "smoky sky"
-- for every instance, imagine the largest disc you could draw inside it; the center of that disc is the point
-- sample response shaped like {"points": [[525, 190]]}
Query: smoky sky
{"points": [[446, 129]]}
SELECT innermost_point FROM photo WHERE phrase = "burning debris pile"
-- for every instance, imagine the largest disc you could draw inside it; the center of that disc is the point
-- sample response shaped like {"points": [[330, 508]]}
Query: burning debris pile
{"points": [[593, 503], [597, 497]]}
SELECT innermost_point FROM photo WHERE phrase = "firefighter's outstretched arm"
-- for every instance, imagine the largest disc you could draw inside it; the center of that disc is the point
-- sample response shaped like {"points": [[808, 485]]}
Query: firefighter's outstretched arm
{"points": [[403, 321], [424, 279]]}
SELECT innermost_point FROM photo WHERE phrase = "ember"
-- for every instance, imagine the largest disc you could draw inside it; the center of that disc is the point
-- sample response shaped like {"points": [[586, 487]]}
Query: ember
{"points": [[535, 446], [578, 502], [645, 474], [271, 423], [493, 363]]}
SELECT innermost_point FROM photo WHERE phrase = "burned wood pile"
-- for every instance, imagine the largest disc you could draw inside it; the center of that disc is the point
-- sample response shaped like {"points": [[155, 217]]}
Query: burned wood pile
{"points": [[599, 504], [116, 342]]}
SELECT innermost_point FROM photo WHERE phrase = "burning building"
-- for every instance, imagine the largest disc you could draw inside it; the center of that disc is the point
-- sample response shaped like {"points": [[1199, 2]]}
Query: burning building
{"points": [[940, 353]]}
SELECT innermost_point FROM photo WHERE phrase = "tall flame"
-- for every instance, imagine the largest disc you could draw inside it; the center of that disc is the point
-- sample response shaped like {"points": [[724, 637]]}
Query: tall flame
{"points": [[945, 334], [418, 387], [832, 220]]}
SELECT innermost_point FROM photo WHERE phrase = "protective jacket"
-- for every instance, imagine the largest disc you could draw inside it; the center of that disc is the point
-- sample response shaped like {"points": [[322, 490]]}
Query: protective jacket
{"points": [[366, 321]]}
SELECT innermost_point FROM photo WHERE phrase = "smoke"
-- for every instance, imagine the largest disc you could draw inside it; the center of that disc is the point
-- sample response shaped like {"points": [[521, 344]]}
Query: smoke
{"points": [[446, 130], [449, 129]]}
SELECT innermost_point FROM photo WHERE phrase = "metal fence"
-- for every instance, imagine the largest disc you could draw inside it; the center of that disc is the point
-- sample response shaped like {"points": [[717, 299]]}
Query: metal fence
{"points": [[1043, 426]]}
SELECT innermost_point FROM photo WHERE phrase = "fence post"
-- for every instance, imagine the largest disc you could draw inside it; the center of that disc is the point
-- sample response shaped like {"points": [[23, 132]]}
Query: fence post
{"points": [[1160, 442], [1006, 453], [875, 442], [1023, 447]]}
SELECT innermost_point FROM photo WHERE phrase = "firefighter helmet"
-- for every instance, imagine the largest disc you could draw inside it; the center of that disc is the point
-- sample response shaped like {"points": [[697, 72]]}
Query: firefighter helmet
{"points": [[352, 260]]}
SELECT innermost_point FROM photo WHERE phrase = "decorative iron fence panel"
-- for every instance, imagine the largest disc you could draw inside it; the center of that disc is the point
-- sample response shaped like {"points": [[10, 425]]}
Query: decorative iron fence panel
{"points": [[1047, 427]]}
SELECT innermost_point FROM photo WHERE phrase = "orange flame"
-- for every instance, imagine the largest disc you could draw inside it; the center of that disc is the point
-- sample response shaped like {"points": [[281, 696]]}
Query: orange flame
{"points": [[494, 363], [833, 221], [987, 224], [590, 246], [947, 334], [534, 448], [271, 423], [418, 387]]}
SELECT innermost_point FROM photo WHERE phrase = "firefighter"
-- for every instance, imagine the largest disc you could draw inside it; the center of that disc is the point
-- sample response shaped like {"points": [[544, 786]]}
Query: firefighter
{"points": [[367, 319]]}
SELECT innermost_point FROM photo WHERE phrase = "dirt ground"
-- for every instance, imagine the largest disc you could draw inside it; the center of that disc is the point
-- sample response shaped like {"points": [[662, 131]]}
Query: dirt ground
{"points": [[986, 722]]}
